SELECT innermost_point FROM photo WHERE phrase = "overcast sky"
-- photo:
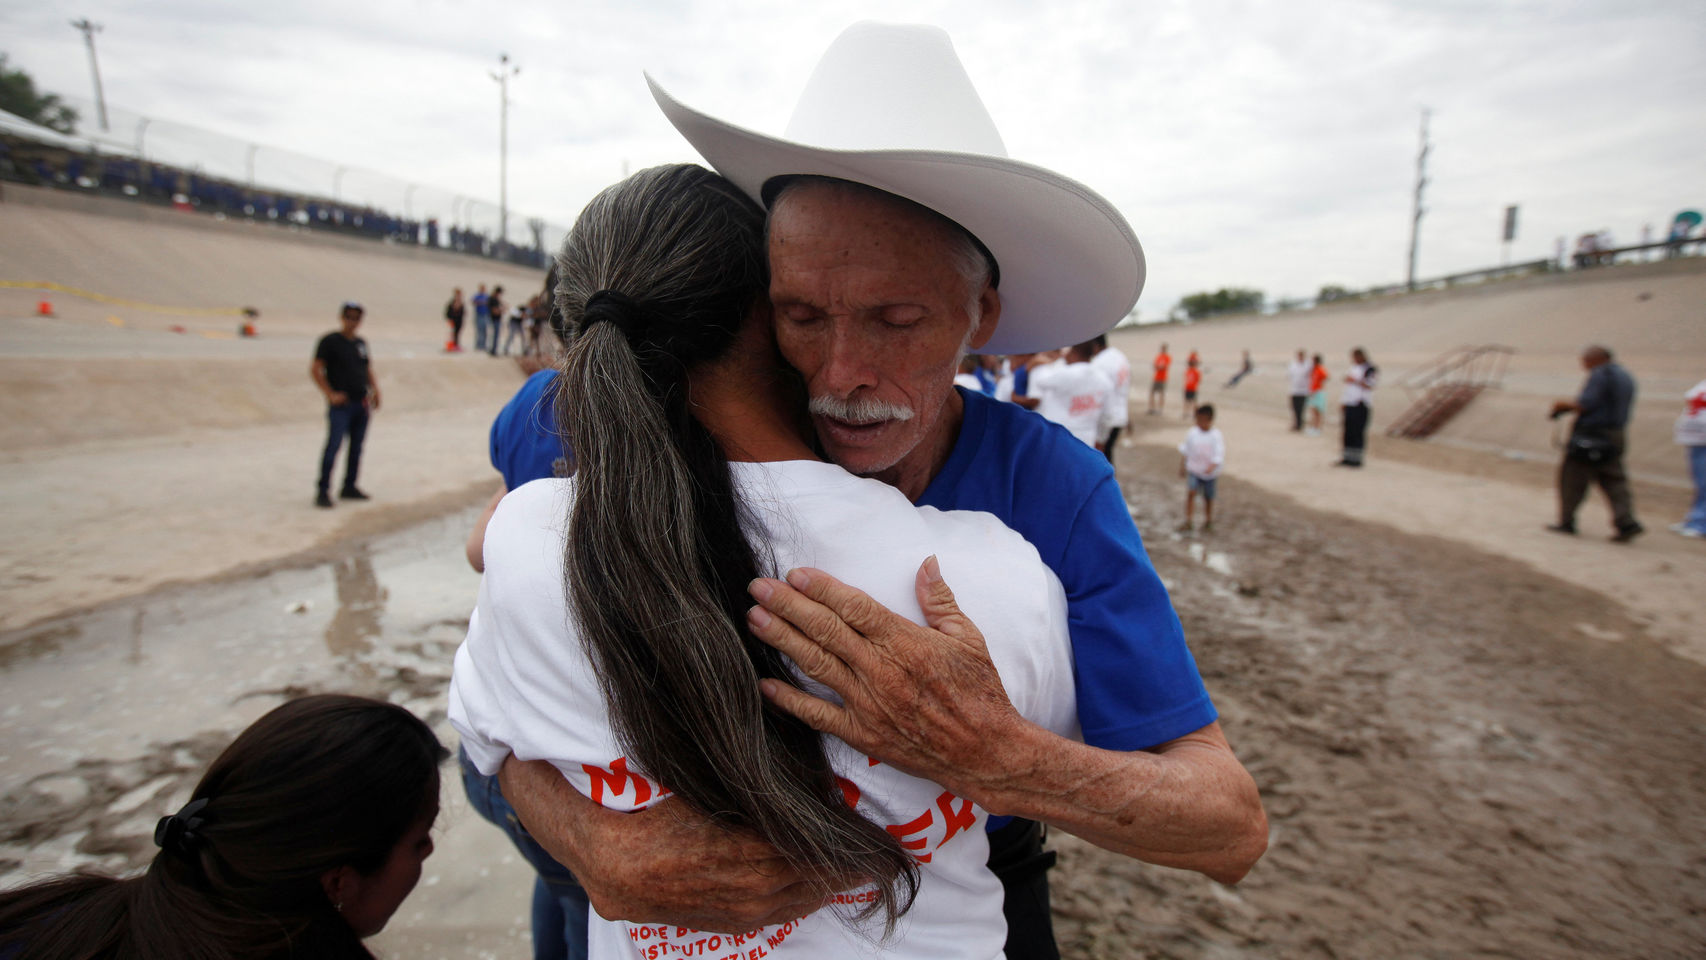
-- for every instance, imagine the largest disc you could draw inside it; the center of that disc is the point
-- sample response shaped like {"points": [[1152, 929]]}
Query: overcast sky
{"points": [[1269, 144]]}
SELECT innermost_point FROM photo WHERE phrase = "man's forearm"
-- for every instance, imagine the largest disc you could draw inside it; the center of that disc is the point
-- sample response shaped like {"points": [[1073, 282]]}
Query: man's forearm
{"points": [[665, 864], [553, 811], [1188, 804]]}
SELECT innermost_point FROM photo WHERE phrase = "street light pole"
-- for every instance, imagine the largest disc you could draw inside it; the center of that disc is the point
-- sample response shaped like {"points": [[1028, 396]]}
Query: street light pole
{"points": [[141, 129], [504, 72], [89, 31]]}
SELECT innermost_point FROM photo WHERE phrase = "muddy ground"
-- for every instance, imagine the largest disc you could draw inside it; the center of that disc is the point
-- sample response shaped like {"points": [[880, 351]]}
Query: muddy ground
{"points": [[1460, 756]]}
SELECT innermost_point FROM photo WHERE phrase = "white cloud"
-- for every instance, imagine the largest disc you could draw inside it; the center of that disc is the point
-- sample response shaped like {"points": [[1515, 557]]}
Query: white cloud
{"points": [[1268, 145]]}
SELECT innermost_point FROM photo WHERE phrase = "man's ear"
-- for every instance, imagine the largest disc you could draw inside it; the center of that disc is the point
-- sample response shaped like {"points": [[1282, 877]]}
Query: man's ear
{"points": [[989, 304]]}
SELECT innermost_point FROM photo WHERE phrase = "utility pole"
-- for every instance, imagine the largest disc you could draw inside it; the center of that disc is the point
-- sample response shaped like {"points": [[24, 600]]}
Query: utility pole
{"points": [[1418, 210], [504, 72], [89, 31]]}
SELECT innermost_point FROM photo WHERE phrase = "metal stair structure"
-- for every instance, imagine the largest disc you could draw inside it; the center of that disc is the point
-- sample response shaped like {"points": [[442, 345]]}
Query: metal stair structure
{"points": [[1444, 387]]}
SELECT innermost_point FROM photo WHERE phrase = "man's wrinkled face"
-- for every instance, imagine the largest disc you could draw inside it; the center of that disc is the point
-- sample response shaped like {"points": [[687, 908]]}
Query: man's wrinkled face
{"points": [[872, 312]]}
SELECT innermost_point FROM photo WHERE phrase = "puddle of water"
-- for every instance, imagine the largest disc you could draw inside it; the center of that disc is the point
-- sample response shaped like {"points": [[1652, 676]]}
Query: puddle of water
{"points": [[107, 719], [384, 619], [38, 641], [1215, 560]]}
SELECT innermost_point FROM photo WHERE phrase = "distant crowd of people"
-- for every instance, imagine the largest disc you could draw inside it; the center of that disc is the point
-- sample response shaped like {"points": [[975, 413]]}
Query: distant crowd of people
{"points": [[1084, 388], [526, 321], [1598, 248]]}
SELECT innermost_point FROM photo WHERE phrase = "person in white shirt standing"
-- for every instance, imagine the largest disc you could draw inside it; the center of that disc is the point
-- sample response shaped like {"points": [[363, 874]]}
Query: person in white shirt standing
{"points": [[1359, 388], [1117, 413], [1204, 453], [967, 377], [1073, 393], [1691, 433], [1298, 373]]}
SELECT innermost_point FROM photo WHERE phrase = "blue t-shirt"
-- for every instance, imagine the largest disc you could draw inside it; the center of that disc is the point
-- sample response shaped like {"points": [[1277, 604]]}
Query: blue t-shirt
{"points": [[1606, 399], [1137, 683], [481, 308], [525, 443]]}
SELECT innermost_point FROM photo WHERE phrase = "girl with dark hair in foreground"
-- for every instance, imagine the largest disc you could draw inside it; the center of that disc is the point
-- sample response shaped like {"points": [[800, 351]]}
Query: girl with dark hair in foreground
{"points": [[302, 838]]}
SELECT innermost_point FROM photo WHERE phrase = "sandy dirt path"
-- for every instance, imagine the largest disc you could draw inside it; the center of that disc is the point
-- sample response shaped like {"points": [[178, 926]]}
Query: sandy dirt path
{"points": [[1424, 490], [1460, 756]]}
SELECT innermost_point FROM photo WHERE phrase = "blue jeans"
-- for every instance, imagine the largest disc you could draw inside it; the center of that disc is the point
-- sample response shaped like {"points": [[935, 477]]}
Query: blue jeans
{"points": [[482, 324], [1696, 519], [348, 419], [559, 904]]}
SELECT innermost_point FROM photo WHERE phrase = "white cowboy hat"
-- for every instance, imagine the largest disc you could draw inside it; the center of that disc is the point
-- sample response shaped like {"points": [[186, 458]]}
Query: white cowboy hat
{"points": [[891, 107]]}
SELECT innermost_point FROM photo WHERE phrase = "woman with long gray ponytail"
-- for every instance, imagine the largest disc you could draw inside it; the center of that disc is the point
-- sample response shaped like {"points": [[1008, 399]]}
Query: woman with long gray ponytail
{"points": [[657, 563], [609, 636]]}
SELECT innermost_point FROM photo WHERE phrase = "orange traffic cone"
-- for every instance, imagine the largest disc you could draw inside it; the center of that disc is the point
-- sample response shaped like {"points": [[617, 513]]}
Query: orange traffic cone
{"points": [[45, 308]]}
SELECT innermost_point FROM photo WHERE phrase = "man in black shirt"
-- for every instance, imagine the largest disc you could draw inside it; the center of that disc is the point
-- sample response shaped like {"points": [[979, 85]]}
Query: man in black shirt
{"points": [[343, 374], [1595, 451]]}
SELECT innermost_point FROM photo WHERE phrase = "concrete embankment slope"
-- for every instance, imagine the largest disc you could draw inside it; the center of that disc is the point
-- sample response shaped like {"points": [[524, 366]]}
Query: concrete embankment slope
{"points": [[141, 445], [294, 277], [1652, 315]]}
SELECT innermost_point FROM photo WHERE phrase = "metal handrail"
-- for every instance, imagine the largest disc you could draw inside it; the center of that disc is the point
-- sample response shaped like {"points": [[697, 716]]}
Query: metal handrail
{"points": [[1485, 364]]}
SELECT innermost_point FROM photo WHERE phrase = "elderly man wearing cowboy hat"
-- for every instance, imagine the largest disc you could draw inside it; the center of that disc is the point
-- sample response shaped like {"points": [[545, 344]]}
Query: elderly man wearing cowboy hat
{"points": [[902, 236]]}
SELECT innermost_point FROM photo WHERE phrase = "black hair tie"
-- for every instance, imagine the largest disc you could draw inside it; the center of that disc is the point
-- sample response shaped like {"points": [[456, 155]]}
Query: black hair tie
{"points": [[621, 310], [179, 833]]}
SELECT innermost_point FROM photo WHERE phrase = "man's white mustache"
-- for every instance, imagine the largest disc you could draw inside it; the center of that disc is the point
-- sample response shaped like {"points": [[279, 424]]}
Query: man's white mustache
{"points": [[868, 410]]}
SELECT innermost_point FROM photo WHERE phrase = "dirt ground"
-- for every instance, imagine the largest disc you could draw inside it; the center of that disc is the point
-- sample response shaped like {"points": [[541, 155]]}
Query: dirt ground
{"points": [[1460, 756]]}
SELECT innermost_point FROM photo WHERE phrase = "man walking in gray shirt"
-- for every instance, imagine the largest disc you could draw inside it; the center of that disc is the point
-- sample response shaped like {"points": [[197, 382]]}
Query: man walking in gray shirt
{"points": [[1594, 453]]}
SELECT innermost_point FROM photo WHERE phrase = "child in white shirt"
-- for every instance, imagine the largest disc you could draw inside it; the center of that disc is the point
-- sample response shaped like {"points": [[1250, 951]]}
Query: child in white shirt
{"points": [[1204, 452]]}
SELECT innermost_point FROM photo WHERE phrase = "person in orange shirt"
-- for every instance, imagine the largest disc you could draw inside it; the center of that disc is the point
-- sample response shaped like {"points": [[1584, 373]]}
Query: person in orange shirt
{"points": [[1317, 402], [1158, 386], [1193, 380]]}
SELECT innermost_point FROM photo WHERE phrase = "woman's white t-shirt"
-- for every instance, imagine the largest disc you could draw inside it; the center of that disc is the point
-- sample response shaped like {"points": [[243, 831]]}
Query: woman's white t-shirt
{"points": [[1359, 386], [1691, 425], [524, 684]]}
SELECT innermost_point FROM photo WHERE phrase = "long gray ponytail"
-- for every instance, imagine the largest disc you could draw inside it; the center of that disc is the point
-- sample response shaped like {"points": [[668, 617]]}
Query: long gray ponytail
{"points": [[658, 275]]}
